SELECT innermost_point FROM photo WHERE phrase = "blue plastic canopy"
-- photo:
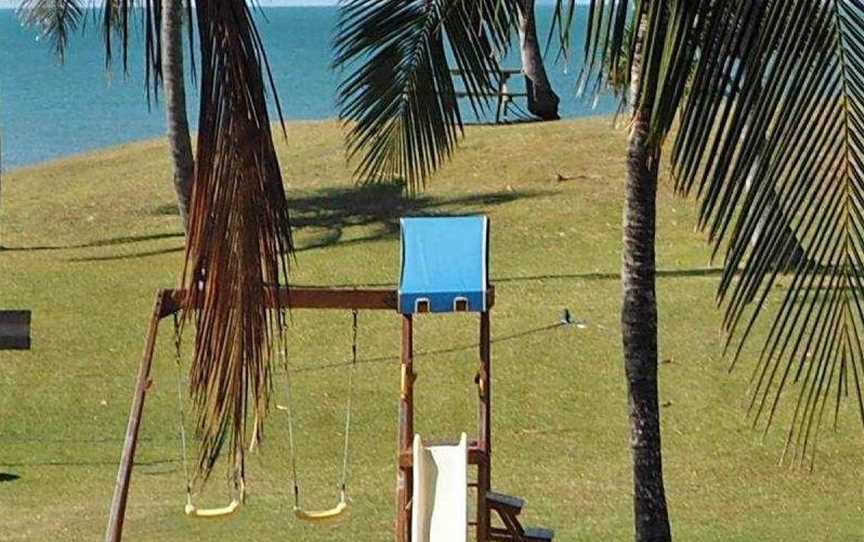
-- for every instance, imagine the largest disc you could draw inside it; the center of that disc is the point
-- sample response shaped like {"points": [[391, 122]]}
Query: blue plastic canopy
{"points": [[445, 264]]}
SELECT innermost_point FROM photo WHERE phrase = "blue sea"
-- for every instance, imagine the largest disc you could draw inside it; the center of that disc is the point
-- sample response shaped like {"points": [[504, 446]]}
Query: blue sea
{"points": [[49, 110]]}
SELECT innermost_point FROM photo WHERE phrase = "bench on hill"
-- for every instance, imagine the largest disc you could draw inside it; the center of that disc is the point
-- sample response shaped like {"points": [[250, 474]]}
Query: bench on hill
{"points": [[503, 95]]}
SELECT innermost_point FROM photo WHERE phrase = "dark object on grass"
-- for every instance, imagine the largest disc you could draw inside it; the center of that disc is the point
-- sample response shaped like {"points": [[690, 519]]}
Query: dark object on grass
{"points": [[15, 330], [8, 477]]}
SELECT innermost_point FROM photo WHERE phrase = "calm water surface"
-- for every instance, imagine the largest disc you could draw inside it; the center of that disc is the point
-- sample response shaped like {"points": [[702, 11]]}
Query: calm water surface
{"points": [[48, 110]]}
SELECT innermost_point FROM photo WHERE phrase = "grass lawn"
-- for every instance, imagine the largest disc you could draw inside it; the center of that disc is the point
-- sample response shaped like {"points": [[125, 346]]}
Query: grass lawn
{"points": [[89, 239]]}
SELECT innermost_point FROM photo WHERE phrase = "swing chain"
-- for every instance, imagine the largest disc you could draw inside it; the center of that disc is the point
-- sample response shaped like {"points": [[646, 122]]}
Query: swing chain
{"points": [[349, 408], [178, 359], [283, 347]]}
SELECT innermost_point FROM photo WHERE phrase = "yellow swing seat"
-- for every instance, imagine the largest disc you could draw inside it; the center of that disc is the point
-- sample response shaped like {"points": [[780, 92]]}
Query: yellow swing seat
{"points": [[322, 516], [204, 513], [194, 511]]}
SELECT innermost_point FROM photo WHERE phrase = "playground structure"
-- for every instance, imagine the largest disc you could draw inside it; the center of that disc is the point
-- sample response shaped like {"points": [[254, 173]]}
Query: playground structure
{"points": [[444, 269]]}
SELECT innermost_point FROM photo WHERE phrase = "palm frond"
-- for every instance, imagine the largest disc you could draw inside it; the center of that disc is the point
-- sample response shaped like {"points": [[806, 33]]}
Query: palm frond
{"points": [[239, 234], [768, 97], [399, 97], [55, 20]]}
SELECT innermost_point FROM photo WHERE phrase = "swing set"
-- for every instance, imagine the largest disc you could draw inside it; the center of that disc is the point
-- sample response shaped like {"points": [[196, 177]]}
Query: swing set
{"points": [[238, 476], [444, 269]]}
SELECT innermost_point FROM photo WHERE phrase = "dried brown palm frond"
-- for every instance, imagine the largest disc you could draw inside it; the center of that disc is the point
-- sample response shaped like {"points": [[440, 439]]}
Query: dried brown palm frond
{"points": [[239, 234]]}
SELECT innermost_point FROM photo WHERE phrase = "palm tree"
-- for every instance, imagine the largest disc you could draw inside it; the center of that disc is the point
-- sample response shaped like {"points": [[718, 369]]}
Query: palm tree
{"points": [[239, 237], [177, 123], [542, 100], [58, 20], [766, 98]]}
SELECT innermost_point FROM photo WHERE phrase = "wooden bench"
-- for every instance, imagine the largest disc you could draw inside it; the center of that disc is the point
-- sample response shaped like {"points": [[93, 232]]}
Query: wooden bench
{"points": [[503, 96]]}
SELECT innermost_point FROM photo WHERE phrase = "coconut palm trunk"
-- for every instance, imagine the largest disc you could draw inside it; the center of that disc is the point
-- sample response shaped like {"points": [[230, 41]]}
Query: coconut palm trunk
{"points": [[639, 335], [177, 123], [639, 319], [542, 100]]}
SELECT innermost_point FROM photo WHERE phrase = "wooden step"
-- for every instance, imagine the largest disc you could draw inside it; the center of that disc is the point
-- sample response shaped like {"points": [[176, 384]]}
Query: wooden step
{"points": [[531, 534], [505, 503]]}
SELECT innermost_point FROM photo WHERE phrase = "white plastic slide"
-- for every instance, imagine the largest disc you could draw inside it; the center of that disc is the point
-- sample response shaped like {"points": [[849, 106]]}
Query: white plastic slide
{"points": [[440, 503]]}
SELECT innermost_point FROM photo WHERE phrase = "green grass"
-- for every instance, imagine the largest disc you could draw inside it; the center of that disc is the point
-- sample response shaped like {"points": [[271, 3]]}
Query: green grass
{"points": [[91, 238]]}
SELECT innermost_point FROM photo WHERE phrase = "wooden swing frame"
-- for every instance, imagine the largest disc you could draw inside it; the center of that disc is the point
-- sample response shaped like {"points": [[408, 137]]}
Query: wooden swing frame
{"points": [[169, 302]]}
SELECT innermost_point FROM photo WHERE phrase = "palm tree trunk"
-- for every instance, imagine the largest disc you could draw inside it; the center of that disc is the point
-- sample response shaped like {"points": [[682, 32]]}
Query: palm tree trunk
{"points": [[639, 333], [542, 100], [639, 321], [179, 140]]}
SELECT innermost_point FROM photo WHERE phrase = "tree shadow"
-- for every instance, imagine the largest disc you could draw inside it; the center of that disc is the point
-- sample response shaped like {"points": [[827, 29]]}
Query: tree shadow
{"points": [[321, 218], [83, 463], [114, 241], [588, 276], [113, 257], [419, 354], [326, 214]]}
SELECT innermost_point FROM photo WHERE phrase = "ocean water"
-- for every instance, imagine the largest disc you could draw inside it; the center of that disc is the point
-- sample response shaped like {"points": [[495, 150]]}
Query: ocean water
{"points": [[49, 110]]}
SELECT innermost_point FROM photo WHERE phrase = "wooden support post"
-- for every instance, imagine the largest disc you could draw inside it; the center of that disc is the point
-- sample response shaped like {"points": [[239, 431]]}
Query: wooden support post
{"points": [[404, 483], [484, 420], [502, 85], [124, 475]]}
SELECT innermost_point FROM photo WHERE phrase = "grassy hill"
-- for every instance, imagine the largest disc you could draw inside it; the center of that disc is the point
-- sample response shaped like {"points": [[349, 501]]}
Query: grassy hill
{"points": [[89, 239]]}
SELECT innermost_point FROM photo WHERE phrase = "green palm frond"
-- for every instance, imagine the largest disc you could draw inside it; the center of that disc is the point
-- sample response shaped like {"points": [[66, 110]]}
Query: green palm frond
{"points": [[769, 101], [399, 96], [55, 20]]}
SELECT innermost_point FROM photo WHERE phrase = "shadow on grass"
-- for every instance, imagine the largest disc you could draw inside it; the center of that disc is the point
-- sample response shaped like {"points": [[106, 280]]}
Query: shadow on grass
{"points": [[6, 477], [114, 241], [592, 276], [324, 216], [434, 352], [136, 255], [62, 464]]}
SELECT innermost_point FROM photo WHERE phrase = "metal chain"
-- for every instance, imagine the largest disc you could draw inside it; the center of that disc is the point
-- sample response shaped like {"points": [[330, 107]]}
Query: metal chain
{"points": [[349, 407], [183, 446], [283, 347]]}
